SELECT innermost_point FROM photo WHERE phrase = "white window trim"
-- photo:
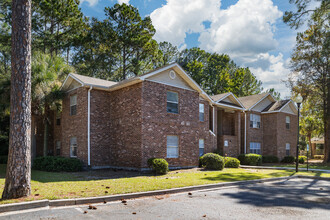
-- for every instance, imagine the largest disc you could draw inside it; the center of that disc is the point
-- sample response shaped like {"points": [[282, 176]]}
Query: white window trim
{"points": [[75, 104], [71, 145], [254, 119], [171, 146], [255, 146], [201, 104]]}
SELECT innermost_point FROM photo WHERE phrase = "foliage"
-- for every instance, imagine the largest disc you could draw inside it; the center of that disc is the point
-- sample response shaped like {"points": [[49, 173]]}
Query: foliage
{"points": [[216, 73], [250, 159], [275, 94], [231, 162], [302, 159], [3, 159], [57, 164], [270, 159], [212, 161], [288, 159], [159, 166], [169, 53]]}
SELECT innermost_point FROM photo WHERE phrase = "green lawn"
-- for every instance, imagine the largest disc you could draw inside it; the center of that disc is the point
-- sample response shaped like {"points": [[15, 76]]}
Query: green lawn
{"points": [[47, 185]]}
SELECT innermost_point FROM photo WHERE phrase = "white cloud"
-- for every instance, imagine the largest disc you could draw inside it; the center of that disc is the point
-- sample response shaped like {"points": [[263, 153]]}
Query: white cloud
{"points": [[245, 31], [123, 1], [90, 2], [179, 17]]}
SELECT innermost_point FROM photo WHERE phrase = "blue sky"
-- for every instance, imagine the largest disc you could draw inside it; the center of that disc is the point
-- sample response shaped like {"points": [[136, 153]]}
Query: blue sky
{"points": [[250, 31]]}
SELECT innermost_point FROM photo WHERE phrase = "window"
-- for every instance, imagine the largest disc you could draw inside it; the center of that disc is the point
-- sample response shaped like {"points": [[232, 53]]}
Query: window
{"points": [[58, 121], [201, 147], [73, 147], [172, 146], [255, 148], [58, 148], [201, 112], [73, 105], [172, 102], [287, 122], [287, 149], [254, 121]]}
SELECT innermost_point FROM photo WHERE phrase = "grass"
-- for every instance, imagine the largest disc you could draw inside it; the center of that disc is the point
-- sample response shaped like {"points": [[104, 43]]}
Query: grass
{"points": [[48, 185]]}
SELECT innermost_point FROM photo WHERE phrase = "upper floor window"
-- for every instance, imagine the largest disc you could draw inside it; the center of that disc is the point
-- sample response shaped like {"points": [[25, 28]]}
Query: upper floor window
{"points": [[255, 148], [172, 146], [254, 121], [201, 147], [287, 149], [172, 102], [73, 105], [201, 112], [287, 122]]}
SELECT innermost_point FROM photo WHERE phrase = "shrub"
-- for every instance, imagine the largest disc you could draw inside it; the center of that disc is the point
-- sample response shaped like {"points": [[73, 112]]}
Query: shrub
{"points": [[3, 159], [150, 162], [250, 159], [270, 159], [201, 162], [231, 162], [302, 159], [213, 161], [159, 166], [57, 164], [288, 159]]}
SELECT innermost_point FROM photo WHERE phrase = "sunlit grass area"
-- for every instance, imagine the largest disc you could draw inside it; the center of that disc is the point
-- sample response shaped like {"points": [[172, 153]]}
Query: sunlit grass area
{"points": [[49, 185]]}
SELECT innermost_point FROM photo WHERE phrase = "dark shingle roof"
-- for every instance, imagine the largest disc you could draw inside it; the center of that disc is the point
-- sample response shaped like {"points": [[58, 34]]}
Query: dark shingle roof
{"points": [[275, 106], [249, 101]]}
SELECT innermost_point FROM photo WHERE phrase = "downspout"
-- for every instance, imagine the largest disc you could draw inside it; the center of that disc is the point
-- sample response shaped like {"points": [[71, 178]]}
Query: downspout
{"points": [[244, 132], [89, 126], [214, 119]]}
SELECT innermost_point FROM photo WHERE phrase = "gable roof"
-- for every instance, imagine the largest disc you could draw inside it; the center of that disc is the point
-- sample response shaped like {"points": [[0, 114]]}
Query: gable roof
{"points": [[220, 99], [276, 106], [250, 101], [219, 96]]}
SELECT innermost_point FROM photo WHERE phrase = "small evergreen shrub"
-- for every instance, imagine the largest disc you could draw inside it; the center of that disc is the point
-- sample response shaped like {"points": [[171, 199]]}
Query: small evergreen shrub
{"points": [[3, 159], [250, 159], [231, 162], [159, 166], [288, 159], [201, 162], [270, 159], [302, 159], [57, 164], [150, 162], [213, 161]]}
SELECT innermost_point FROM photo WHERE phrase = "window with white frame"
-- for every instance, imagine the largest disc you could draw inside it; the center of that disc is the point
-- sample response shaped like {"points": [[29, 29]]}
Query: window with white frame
{"points": [[172, 146], [73, 105], [287, 122], [201, 147], [254, 121], [172, 102], [58, 148], [287, 149], [255, 148], [201, 112], [73, 147]]}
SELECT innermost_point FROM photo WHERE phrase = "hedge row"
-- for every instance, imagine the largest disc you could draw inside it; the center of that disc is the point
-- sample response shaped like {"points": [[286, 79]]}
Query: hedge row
{"points": [[57, 164], [250, 159]]}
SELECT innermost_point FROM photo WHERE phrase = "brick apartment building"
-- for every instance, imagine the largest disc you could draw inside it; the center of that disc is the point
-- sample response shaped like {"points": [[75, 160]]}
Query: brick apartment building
{"points": [[163, 114]]}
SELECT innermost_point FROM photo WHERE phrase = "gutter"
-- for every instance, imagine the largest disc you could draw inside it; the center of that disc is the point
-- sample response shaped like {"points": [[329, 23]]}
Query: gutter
{"points": [[89, 126], [245, 133]]}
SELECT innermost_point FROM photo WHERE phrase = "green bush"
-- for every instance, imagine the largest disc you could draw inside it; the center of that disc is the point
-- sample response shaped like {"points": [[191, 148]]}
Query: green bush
{"points": [[150, 162], [302, 159], [213, 161], [201, 162], [288, 159], [250, 159], [3, 159], [270, 159], [231, 162], [57, 164], [159, 166]]}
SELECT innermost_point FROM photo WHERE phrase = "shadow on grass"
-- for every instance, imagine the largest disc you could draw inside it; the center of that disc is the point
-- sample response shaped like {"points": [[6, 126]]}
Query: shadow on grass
{"points": [[298, 193]]}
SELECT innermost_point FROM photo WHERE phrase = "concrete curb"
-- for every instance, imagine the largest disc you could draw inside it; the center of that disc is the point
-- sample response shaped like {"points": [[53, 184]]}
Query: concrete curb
{"points": [[24, 205], [81, 201]]}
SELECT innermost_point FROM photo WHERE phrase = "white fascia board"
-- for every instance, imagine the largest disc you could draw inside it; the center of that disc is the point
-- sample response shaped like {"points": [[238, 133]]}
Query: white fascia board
{"points": [[224, 97], [73, 77], [228, 106], [261, 101]]}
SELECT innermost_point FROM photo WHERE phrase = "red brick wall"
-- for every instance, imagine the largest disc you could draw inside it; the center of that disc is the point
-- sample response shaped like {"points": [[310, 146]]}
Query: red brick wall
{"points": [[270, 132], [75, 125], [254, 134], [157, 124]]}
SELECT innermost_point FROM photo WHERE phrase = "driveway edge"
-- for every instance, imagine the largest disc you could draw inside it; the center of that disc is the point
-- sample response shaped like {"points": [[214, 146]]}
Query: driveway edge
{"points": [[81, 201]]}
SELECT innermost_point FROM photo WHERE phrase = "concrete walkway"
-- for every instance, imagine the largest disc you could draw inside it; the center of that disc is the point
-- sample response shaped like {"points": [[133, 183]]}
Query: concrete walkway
{"points": [[284, 168]]}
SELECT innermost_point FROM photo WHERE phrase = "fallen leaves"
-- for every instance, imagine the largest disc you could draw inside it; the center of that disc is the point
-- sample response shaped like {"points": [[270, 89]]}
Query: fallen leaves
{"points": [[91, 207]]}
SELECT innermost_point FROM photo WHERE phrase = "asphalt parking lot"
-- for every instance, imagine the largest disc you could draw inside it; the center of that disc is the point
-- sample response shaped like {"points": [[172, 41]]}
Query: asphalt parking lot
{"points": [[289, 199]]}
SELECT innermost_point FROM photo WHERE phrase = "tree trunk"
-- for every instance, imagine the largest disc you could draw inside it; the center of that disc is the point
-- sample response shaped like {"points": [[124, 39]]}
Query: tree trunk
{"points": [[18, 176]]}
